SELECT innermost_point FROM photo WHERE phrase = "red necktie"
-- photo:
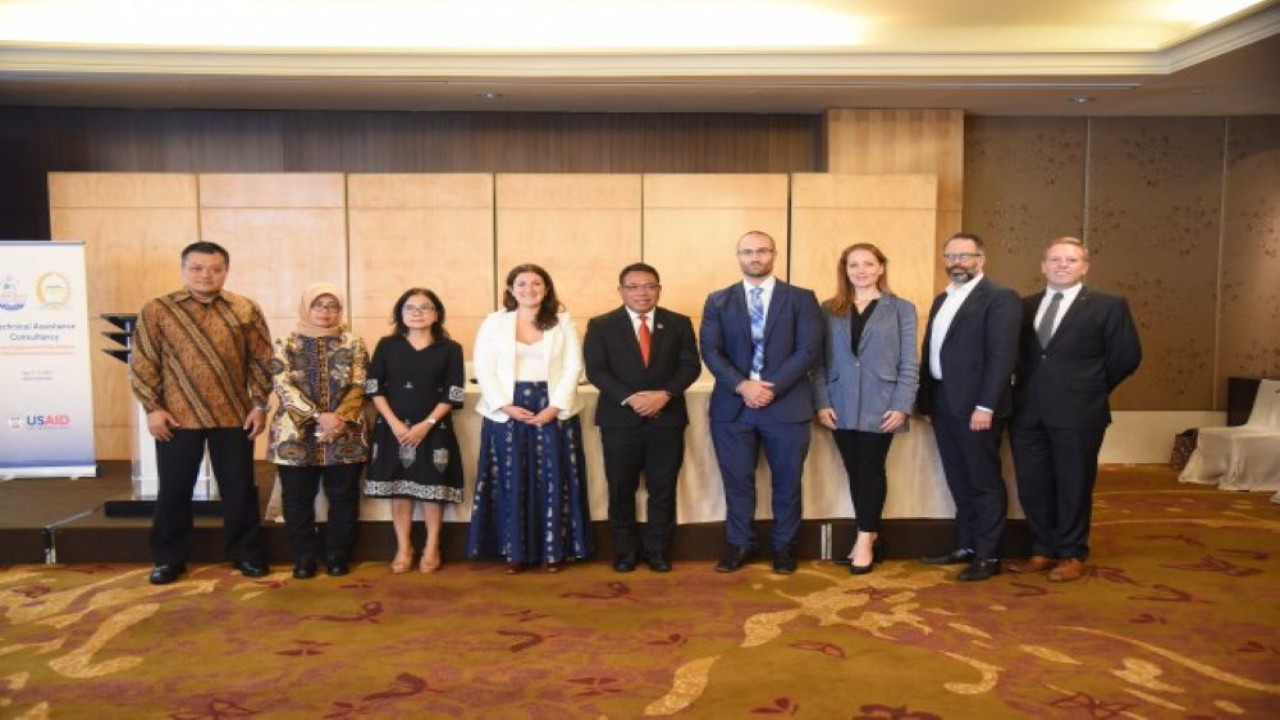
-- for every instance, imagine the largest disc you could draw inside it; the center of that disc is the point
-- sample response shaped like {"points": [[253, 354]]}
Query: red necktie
{"points": [[645, 337]]}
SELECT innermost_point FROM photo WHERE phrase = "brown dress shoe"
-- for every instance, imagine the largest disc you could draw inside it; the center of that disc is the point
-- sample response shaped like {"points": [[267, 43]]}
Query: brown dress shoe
{"points": [[1033, 564], [1067, 570]]}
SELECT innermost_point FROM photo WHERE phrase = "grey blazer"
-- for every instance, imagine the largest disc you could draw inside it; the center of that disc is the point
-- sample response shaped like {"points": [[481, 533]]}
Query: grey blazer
{"points": [[883, 376]]}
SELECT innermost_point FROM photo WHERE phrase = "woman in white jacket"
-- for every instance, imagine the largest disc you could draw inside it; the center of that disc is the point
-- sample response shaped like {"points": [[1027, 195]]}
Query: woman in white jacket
{"points": [[531, 485]]}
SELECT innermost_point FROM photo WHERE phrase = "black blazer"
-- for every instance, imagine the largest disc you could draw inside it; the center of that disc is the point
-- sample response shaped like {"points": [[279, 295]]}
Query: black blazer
{"points": [[1068, 384], [611, 353], [978, 354]]}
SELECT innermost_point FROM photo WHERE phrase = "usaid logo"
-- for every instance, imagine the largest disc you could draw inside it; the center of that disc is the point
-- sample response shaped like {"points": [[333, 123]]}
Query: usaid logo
{"points": [[47, 422]]}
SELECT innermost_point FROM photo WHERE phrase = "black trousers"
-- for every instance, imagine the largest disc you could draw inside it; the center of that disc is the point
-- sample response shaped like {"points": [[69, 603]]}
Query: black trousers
{"points": [[971, 463], [659, 453], [298, 488], [178, 462], [1056, 470], [864, 455]]}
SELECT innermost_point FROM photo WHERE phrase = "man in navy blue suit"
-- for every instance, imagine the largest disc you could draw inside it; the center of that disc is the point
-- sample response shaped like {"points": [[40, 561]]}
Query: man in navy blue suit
{"points": [[760, 337], [1078, 344], [970, 348]]}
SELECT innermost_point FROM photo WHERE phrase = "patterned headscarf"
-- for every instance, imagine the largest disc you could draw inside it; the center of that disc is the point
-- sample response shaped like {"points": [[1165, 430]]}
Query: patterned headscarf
{"points": [[304, 311]]}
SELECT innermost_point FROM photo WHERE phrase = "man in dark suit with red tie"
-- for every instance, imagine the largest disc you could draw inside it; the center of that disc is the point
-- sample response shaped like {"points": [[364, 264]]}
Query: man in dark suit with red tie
{"points": [[1077, 345], [642, 358], [970, 348], [760, 338]]}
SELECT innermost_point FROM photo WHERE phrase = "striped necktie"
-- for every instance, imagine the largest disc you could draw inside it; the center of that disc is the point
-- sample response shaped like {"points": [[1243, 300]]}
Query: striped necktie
{"points": [[756, 306]]}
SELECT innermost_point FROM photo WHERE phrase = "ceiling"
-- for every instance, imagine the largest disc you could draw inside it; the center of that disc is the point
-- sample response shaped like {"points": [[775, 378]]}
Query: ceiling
{"points": [[994, 57]]}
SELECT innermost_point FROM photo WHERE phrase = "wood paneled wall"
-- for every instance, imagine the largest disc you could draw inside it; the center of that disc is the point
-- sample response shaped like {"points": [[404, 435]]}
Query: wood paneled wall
{"points": [[903, 142], [460, 234], [134, 227]]}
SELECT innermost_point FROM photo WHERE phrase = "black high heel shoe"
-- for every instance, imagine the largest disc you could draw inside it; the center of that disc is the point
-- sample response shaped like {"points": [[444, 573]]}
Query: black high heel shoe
{"points": [[877, 555]]}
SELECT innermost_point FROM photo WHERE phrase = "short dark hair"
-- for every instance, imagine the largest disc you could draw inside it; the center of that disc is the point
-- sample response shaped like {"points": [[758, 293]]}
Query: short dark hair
{"points": [[397, 313], [205, 247], [639, 267], [968, 236]]}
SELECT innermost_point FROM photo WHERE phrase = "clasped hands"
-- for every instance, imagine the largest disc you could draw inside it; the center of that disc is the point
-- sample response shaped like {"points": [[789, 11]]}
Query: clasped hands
{"points": [[529, 417], [648, 403], [755, 393]]}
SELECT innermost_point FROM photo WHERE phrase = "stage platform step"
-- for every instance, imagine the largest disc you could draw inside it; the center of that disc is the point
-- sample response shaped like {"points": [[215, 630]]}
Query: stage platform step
{"points": [[66, 521]]}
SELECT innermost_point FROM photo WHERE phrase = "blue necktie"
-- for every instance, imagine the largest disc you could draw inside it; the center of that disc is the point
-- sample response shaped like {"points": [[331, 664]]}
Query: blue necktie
{"points": [[756, 305]]}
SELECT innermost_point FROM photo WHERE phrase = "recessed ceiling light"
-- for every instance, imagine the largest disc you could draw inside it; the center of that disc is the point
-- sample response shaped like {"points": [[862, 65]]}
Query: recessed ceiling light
{"points": [[1080, 99], [488, 95]]}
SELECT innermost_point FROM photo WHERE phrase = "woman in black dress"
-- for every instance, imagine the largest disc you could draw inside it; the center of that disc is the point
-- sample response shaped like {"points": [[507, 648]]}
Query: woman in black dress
{"points": [[416, 381]]}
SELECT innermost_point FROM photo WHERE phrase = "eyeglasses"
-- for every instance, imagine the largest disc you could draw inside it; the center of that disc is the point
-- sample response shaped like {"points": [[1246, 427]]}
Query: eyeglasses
{"points": [[418, 309], [327, 307], [748, 252], [960, 257], [650, 287]]}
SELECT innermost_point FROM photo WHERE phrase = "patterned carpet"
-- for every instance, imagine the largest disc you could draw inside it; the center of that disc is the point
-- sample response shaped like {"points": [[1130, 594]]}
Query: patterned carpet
{"points": [[1179, 618]]}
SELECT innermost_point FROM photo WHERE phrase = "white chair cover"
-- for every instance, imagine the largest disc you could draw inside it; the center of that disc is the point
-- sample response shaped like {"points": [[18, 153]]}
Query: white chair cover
{"points": [[1245, 457]]}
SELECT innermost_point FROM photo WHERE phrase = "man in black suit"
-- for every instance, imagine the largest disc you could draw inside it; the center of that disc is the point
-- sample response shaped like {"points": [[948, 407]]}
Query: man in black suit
{"points": [[642, 358], [1078, 344], [970, 348]]}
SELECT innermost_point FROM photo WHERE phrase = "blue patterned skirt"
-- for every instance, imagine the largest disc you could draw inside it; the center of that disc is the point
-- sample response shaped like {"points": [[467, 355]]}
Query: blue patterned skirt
{"points": [[531, 489]]}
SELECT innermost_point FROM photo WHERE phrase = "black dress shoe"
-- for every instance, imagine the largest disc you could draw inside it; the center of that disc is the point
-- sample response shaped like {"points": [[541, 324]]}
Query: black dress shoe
{"points": [[784, 561], [955, 557], [659, 563], [735, 558], [336, 566], [624, 563], [165, 573], [251, 568], [979, 570], [304, 570]]}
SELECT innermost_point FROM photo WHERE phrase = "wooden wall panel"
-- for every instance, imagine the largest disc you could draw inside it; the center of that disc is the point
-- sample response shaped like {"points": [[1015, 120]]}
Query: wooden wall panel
{"points": [[283, 231], [896, 213], [433, 231], [693, 222], [134, 226], [1153, 223], [1249, 337], [582, 228], [897, 142]]}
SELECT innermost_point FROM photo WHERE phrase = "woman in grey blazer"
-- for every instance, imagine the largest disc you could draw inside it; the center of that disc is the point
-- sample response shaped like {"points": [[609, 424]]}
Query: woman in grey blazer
{"points": [[866, 385]]}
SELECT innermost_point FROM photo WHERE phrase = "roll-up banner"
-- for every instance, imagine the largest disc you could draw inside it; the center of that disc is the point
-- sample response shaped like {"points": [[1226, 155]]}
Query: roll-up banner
{"points": [[46, 393]]}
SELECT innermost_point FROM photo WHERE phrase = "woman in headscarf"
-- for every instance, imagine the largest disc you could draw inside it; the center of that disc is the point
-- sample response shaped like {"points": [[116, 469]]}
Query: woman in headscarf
{"points": [[318, 429]]}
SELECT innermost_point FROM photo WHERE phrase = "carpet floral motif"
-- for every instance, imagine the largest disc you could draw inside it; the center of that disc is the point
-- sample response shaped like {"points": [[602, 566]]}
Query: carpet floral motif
{"points": [[1179, 617]]}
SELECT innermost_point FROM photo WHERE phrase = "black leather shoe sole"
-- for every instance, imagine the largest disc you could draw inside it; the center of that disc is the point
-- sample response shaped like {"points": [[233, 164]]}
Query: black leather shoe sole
{"points": [[337, 568], [734, 563], [979, 570], [624, 565], [955, 557], [165, 574], [251, 569], [304, 571], [660, 565]]}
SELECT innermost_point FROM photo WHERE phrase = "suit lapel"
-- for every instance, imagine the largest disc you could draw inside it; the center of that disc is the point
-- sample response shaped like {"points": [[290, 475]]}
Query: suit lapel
{"points": [[624, 328], [780, 295], [1078, 308], [879, 317], [967, 307]]}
